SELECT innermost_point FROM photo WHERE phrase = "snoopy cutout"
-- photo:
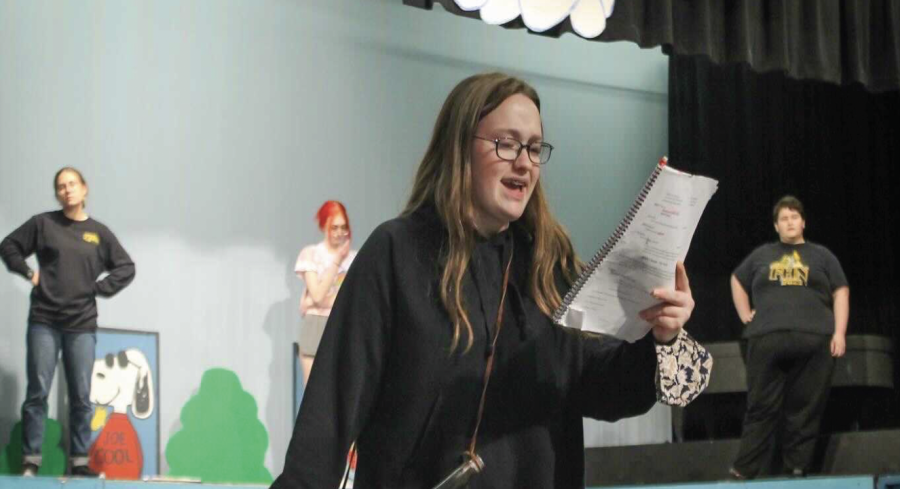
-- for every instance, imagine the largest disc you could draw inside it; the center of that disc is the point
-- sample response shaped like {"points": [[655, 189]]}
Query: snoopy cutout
{"points": [[118, 381]]}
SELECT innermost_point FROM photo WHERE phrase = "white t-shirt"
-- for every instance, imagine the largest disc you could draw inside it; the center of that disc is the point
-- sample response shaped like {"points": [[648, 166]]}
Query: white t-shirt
{"points": [[316, 258]]}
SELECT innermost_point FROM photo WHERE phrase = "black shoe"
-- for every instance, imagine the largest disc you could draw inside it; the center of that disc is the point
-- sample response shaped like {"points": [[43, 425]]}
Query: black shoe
{"points": [[83, 471], [798, 473], [29, 469], [734, 475]]}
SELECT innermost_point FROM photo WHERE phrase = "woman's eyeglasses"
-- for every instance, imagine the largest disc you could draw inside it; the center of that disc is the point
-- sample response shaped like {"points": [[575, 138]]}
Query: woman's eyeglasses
{"points": [[509, 149]]}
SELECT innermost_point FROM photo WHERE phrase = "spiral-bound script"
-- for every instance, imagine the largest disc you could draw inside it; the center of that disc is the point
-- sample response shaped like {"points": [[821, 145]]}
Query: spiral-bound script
{"points": [[639, 256]]}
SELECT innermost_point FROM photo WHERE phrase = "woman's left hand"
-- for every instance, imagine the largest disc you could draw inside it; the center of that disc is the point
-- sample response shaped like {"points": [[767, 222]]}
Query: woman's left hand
{"points": [[669, 317]]}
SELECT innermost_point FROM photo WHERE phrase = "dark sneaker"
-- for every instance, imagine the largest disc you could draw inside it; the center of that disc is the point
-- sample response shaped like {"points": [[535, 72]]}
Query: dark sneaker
{"points": [[29, 470], [798, 473], [83, 471], [734, 475]]}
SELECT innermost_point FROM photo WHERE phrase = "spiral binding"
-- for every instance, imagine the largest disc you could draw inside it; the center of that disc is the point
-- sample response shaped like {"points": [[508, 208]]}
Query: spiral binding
{"points": [[610, 243]]}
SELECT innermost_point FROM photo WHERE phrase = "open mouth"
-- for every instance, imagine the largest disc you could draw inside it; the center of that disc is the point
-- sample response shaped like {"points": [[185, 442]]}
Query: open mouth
{"points": [[517, 186]]}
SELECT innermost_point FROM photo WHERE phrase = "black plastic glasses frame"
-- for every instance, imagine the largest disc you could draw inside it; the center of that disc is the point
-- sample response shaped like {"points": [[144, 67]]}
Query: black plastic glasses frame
{"points": [[519, 146]]}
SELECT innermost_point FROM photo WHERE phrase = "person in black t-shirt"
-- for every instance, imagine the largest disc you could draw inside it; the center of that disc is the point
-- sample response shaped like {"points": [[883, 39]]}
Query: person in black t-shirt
{"points": [[795, 329], [72, 250]]}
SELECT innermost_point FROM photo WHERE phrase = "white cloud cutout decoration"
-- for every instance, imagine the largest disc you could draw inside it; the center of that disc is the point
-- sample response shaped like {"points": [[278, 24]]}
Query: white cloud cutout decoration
{"points": [[588, 16]]}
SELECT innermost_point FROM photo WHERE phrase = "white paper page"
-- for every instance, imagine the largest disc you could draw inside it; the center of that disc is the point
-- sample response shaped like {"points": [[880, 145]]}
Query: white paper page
{"points": [[643, 259]]}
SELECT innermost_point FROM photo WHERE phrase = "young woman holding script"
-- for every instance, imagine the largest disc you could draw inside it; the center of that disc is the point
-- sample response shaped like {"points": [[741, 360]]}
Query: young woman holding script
{"points": [[796, 328], [440, 358]]}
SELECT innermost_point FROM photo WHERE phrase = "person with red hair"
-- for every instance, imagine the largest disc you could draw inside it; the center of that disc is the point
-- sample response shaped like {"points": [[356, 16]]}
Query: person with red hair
{"points": [[322, 267]]}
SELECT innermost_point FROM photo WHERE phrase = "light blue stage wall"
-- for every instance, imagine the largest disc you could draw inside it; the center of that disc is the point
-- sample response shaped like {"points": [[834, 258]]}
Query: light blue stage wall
{"points": [[210, 131]]}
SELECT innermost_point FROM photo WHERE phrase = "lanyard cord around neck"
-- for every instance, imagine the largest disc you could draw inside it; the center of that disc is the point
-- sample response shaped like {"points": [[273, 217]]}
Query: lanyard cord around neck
{"points": [[489, 366]]}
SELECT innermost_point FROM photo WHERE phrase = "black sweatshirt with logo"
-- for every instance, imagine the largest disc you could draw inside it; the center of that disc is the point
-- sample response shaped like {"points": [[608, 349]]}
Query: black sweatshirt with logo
{"points": [[71, 256]]}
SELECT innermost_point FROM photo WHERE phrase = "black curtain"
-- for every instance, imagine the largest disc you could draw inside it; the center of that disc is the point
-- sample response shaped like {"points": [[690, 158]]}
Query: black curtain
{"points": [[839, 41], [765, 135]]}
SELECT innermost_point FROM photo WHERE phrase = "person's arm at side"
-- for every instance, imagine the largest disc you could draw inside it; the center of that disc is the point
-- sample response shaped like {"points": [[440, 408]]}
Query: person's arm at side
{"points": [[840, 295], [841, 316], [741, 301], [118, 264], [344, 383], [20, 244]]}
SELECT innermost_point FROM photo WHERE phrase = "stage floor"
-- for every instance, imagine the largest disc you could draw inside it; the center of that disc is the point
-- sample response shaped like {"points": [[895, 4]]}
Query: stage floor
{"points": [[15, 482], [856, 482]]}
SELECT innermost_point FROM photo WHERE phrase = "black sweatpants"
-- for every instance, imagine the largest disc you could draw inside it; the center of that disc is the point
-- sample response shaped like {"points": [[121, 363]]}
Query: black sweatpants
{"points": [[788, 379]]}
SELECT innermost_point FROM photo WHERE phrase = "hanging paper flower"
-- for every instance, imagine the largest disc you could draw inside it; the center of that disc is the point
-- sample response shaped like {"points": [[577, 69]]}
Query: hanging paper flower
{"points": [[588, 16]]}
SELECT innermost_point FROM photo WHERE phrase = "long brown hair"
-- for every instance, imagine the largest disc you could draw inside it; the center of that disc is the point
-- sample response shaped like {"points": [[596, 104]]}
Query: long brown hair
{"points": [[444, 180]]}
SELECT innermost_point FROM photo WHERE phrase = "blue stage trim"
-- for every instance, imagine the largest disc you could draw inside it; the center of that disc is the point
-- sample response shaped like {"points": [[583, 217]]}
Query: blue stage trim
{"points": [[854, 482], [857, 482], [888, 482], [16, 482]]}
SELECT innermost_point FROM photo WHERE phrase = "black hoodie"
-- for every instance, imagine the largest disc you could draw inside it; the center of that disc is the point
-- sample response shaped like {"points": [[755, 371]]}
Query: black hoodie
{"points": [[384, 375]]}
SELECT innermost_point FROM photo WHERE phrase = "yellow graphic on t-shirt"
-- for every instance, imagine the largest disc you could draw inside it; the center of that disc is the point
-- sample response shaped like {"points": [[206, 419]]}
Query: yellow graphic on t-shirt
{"points": [[89, 237], [790, 270]]}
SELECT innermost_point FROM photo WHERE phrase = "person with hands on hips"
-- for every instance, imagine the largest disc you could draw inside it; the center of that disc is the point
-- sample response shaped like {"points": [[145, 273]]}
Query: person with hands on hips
{"points": [[795, 329], [73, 250]]}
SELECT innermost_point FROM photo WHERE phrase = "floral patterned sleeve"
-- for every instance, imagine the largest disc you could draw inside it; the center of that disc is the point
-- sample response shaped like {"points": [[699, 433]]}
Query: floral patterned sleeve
{"points": [[684, 369]]}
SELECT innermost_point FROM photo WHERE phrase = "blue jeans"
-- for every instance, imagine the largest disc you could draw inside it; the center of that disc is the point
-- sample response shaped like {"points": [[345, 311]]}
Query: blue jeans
{"points": [[43, 346]]}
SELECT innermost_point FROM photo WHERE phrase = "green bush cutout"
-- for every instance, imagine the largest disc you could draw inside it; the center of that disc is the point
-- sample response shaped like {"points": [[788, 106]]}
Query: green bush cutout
{"points": [[221, 439], [52, 455]]}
